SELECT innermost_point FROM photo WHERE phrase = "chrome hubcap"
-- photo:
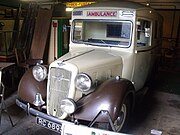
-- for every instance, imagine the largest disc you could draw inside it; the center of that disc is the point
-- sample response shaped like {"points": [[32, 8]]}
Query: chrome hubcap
{"points": [[119, 122]]}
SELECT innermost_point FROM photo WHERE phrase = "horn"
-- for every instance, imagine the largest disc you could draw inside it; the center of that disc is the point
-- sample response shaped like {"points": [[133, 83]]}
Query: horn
{"points": [[38, 100]]}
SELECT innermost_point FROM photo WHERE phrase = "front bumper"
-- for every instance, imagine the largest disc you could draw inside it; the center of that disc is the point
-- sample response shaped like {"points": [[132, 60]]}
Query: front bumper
{"points": [[67, 128]]}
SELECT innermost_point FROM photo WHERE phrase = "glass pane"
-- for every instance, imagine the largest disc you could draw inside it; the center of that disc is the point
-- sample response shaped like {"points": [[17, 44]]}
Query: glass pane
{"points": [[102, 32], [143, 32]]}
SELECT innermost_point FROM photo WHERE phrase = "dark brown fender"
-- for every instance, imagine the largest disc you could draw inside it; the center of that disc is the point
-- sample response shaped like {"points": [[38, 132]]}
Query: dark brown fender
{"points": [[110, 95], [28, 87]]}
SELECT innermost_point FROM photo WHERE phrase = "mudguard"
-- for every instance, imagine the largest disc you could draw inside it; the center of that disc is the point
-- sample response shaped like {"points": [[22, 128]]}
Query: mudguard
{"points": [[28, 87], [108, 96]]}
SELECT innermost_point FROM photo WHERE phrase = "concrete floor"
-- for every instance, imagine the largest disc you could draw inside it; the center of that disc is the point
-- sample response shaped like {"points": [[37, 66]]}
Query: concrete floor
{"points": [[158, 111]]}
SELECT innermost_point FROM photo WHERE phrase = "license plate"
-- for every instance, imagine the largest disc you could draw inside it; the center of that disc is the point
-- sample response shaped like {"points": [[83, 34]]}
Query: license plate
{"points": [[49, 124]]}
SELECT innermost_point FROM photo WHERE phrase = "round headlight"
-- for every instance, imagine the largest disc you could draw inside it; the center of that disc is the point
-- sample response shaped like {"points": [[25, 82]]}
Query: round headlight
{"points": [[83, 82], [68, 106], [39, 72]]}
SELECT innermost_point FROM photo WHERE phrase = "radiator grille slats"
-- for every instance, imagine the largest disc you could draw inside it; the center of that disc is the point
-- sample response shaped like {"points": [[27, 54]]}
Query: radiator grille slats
{"points": [[59, 85]]}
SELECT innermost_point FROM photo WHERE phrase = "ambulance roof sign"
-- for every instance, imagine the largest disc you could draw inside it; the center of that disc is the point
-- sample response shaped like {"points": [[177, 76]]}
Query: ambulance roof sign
{"points": [[102, 13]]}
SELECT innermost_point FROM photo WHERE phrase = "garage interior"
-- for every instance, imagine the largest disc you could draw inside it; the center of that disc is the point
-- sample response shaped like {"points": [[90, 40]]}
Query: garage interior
{"points": [[158, 112]]}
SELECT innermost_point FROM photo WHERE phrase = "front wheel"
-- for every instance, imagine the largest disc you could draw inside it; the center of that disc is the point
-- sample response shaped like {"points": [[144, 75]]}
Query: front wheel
{"points": [[122, 119]]}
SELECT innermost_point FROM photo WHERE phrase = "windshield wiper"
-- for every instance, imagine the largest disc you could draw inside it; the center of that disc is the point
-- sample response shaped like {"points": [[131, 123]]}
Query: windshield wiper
{"points": [[91, 40], [102, 41]]}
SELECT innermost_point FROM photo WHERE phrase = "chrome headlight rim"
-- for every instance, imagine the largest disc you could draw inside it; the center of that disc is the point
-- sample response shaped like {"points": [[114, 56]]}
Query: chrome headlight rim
{"points": [[83, 82], [68, 105], [39, 72]]}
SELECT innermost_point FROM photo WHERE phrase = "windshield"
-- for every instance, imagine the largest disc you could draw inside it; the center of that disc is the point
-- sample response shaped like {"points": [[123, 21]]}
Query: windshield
{"points": [[102, 32]]}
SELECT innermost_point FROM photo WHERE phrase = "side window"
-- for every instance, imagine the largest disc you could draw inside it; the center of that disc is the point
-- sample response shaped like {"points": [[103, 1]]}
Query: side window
{"points": [[158, 30], [143, 32], [156, 34]]}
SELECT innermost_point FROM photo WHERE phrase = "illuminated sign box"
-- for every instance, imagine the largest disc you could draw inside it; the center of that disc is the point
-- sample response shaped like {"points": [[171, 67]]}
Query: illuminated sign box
{"points": [[77, 4]]}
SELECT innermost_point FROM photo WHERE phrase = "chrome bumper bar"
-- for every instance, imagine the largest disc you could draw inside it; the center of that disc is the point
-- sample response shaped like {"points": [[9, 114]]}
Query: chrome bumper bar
{"points": [[68, 127], [31, 111]]}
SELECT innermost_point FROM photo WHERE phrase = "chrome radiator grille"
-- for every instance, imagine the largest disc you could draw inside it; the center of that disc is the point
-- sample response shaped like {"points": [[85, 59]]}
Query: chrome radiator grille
{"points": [[59, 85]]}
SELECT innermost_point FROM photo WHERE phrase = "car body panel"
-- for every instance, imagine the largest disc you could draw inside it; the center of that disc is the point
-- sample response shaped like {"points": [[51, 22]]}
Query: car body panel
{"points": [[108, 97], [28, 87]]}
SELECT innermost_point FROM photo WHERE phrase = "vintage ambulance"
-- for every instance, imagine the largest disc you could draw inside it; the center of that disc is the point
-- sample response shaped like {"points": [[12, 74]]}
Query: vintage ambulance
{"points": [[92, 89]]}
